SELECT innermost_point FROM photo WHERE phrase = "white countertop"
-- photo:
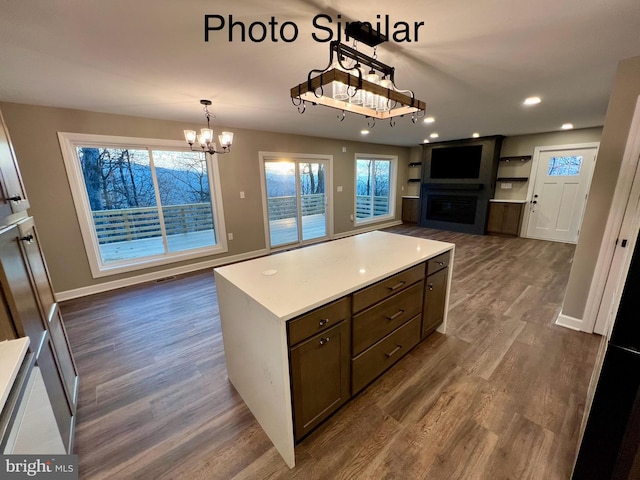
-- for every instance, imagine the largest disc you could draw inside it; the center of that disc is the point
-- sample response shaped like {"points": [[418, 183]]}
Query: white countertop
{"points": [[290, 283], [497, 200], [12, 353]]}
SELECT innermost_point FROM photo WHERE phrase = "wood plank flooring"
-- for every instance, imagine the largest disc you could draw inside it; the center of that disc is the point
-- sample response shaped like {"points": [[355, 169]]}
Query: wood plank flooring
{"points": [[500, 396]]}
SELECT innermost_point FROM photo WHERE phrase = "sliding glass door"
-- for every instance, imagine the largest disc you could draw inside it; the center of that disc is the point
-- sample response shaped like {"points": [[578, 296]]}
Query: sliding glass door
{"points": [[296, 197]]}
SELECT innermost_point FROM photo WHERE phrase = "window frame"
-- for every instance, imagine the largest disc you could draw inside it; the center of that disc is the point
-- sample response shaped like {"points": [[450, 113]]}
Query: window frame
{"points": [[393, 187], [69, 142]]}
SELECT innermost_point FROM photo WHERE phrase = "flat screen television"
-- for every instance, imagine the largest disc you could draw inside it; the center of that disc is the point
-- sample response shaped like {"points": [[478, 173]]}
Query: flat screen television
{"points": [[456, 162]]}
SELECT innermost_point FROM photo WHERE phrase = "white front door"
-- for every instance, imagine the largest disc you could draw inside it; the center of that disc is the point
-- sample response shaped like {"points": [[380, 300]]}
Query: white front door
{"points": [[560, 189]]}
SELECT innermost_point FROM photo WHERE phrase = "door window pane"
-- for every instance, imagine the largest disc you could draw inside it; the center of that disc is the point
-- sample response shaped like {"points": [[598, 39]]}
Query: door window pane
{"points": [[564, 166], [185, 196], [124, 186], [282, 202], [120, 190], [312, 198]]}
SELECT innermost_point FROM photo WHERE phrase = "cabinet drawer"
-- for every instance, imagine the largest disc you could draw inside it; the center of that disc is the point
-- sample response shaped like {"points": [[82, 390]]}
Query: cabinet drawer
{"points": [[387, 287], [372, 362], [371, 325], [438, 263], [317, 320]]}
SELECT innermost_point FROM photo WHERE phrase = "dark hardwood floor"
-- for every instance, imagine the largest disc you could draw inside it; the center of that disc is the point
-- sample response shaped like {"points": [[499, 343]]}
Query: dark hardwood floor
{"points": [[500, 396]]}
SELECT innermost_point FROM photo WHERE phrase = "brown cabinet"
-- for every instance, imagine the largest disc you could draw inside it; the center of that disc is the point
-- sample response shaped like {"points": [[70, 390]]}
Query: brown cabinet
{"points": [[13, 198], [29, 310], [505, 218], [379, 357], [320, 377], [28, 307], [410, 209], [336, 350], [435, 294]]}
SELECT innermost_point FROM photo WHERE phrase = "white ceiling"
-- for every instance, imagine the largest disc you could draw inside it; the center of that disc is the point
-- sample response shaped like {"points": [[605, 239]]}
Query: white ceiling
{"points": [[473, 64]]}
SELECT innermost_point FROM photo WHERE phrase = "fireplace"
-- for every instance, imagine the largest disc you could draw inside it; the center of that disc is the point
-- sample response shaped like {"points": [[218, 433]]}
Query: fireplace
{"points": [[452, 208], [458, 180]]}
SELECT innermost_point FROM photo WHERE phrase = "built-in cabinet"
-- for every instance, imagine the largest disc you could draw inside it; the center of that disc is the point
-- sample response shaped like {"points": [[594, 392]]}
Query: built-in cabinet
{"points": [[505, 218], [410, 209], [28, 307], [336, 350]]}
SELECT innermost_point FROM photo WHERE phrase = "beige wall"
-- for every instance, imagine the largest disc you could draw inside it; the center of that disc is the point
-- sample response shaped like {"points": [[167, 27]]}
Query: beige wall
{"points": [[614, 136], [522, 145], [48, 189]]}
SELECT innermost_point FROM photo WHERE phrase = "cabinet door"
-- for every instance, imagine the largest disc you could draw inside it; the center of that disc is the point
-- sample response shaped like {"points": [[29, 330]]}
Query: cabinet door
{"points": [[511, 221], [48, 307], [12, 194], [54, 384], [434, 301], [18, 291], [320, 377], [496, 217]]}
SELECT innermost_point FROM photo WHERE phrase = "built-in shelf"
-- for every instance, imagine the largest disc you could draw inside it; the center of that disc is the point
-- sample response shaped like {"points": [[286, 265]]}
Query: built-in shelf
{"points": [[415, 164], [414, 180], [522, 158], [512, 179]]}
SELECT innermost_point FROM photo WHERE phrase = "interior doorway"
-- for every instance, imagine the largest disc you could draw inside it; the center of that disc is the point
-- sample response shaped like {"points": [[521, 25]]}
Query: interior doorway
{"points": [[296, 191], [561, 178]]}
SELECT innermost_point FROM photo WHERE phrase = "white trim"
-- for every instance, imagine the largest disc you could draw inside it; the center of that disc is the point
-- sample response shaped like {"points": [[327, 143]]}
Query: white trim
{"points": [[393, 188], [614, 222], [149, 277], [569, 322], [328, 187], [533, 175], [68, 144]]}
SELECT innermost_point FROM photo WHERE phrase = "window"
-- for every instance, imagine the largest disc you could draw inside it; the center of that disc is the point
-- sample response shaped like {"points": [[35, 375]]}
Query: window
{"points": [[375, 188], [564, 166], [142, 202]]}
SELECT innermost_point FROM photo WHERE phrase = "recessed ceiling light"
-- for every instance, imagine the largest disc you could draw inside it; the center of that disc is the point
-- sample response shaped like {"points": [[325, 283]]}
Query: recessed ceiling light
{"points": [[434, 135], [567, 126], [426, 140], [532, 101], [364, 132], [429, 120], [475, 135]]}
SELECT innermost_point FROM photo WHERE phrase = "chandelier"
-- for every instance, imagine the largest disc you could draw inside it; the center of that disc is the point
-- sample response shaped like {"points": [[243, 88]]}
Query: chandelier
{"points": [[205, 139], [358, 83]]}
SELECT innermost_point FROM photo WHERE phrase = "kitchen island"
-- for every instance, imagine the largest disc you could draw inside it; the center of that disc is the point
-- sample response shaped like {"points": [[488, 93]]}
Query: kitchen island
{"points": [[304, 330]]}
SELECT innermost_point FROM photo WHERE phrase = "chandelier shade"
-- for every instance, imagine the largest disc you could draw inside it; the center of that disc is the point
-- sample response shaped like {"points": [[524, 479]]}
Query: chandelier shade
{"points": [[205, 139]]}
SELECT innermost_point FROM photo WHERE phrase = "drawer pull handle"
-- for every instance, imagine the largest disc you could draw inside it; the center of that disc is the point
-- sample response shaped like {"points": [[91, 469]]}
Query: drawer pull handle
{"points": [[28, 238], [395, 287], [15, 198], [441, 264], [431, 287], [323, 322], [395, 315], [324, 341], [394, 351]]}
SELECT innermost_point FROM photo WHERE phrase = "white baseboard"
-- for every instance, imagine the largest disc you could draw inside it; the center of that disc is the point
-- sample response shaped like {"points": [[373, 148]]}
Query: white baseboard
{"points": [[149, 277], [570, 322]]}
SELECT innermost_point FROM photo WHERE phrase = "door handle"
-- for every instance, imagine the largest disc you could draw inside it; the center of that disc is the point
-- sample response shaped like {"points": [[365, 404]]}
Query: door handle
{"points": [[395, 315], [394, 351]]}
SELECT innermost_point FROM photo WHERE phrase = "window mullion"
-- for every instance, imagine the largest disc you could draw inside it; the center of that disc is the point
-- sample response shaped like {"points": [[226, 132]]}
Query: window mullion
{"points": [[156, 190]]}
